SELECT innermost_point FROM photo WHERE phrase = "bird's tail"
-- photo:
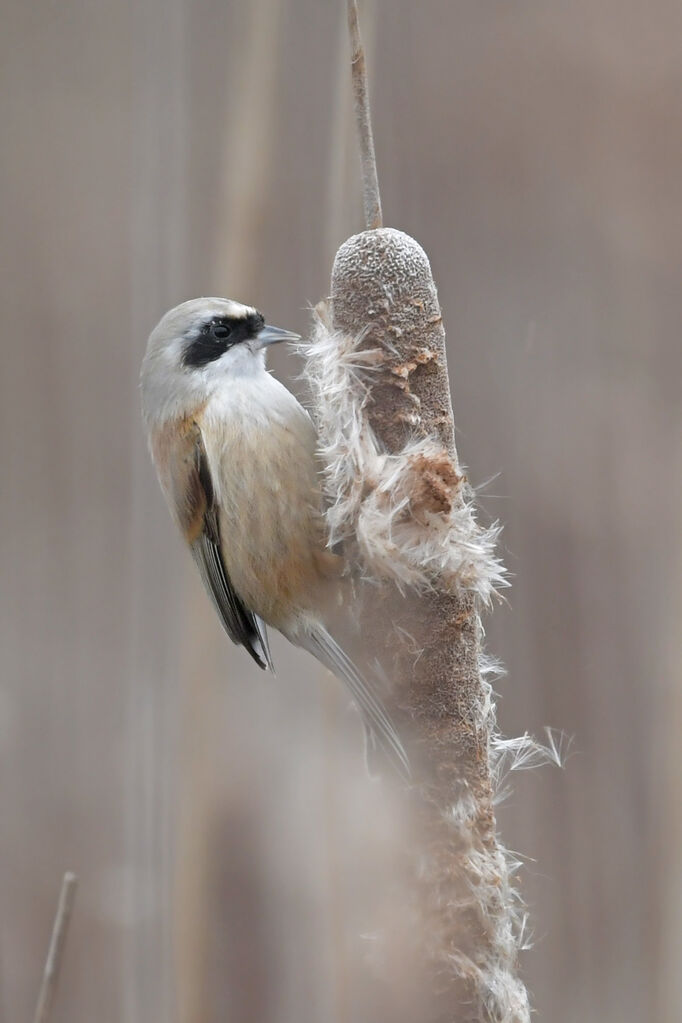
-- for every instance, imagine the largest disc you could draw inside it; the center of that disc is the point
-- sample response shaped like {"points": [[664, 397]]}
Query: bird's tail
{"points": [[317, 641]]}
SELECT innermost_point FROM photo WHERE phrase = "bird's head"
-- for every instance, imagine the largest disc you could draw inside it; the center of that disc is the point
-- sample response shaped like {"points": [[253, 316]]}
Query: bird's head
{"points": [[198, 345]]}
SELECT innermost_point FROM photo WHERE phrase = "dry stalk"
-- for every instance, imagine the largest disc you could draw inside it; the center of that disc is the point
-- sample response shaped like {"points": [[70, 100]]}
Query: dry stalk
{"points": [[401, 504], [60, 927], [370, 182]]}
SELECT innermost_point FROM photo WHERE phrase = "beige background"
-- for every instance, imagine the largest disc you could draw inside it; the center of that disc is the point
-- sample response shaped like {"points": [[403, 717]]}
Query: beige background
{"points": [[218, 818]]}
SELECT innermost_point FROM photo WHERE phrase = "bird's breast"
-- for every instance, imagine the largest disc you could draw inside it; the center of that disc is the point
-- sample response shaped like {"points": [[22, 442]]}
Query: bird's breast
{"points": [[261, 451]]}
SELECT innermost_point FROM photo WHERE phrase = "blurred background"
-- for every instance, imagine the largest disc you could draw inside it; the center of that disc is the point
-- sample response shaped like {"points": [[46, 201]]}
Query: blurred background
{"points": [[228, 845]]}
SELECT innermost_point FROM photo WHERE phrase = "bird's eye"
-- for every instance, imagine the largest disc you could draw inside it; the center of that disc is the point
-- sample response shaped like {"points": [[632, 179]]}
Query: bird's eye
{"points": [[221, 331]]}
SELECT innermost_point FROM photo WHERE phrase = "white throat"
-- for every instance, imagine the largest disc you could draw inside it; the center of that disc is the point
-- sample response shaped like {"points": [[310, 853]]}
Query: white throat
{"points": [[171, 390]]}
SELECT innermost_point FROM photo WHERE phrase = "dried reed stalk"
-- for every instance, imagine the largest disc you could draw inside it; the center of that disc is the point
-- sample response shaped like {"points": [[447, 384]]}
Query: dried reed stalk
{"points": [[53, 962], [363, 119]]}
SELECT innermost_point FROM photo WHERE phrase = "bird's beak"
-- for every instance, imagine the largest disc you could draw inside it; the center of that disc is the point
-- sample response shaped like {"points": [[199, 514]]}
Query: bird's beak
{"points": [[274, 335]]}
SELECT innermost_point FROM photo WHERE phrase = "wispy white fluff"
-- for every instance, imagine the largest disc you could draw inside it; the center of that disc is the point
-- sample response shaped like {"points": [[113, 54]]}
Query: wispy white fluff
{"points": [[371, 494], [524, 753], [490, 870]]}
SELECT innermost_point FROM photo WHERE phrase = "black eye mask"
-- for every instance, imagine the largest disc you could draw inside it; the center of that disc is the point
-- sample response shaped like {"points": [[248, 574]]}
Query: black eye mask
{"points": [[218, 335]]}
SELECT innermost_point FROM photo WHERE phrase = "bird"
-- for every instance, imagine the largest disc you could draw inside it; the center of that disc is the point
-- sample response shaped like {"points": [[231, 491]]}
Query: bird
{"points": [[236, 456]]}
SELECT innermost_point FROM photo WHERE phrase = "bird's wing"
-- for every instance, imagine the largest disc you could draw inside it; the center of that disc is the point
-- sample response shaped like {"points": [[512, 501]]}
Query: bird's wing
{"points": [[324, 647], [186, 480]]}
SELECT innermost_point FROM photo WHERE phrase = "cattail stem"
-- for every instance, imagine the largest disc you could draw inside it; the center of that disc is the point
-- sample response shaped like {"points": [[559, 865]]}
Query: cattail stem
{"points": [[370, 183], [60, 928], [423, 568]]}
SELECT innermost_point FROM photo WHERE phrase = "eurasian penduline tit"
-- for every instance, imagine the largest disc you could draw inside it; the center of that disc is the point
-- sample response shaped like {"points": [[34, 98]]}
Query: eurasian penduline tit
{"points": [[235, 455]]}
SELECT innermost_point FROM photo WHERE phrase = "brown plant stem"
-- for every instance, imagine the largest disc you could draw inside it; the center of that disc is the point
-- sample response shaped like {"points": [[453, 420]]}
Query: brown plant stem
{"points": [[53, 962], [370, 183]]}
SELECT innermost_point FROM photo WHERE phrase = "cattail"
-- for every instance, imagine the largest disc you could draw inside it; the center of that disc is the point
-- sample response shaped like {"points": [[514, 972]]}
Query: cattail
{"points": [[401, 503], [423, 567]]}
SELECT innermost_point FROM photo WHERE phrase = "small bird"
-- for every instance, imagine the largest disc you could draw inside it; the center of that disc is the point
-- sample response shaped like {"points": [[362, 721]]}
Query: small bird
{"points": [[235, 454]]}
